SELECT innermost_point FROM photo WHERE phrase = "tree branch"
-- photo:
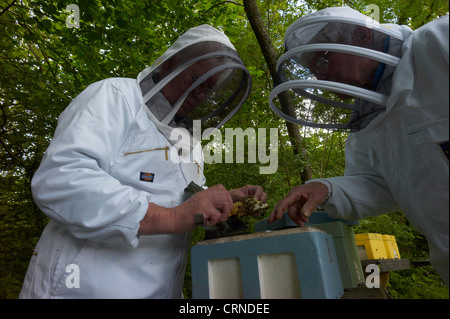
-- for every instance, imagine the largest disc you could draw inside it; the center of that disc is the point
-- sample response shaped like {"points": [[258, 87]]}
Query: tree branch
{"points": [[7, 8], [218, 4], [270, 55]]}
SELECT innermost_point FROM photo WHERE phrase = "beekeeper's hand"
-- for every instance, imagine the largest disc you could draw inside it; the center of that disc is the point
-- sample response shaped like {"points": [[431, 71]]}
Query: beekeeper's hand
{"points": [[300, 202], [248, 190], [214, 203]]}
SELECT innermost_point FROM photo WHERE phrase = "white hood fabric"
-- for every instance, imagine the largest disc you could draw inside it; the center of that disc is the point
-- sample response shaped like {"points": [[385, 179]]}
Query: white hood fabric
{"points": [[110, 157], [400, 160]]}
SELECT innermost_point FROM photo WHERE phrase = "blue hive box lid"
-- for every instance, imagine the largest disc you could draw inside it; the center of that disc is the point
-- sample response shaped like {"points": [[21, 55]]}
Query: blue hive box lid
{"points": [[286, 222]]}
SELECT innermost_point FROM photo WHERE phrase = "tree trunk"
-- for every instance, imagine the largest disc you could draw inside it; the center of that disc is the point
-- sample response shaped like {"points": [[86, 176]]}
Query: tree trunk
{"points": [[268, 50]]}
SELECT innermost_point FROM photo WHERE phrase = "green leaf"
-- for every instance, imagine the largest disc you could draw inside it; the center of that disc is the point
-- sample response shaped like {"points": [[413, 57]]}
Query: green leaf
{"points": [[47, 24]]}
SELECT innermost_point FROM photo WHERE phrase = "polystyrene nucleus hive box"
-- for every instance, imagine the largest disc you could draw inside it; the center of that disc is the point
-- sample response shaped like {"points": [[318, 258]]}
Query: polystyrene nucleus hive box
{"points": [[344, 242], [372, 244], [291, 263], [390, 244]]}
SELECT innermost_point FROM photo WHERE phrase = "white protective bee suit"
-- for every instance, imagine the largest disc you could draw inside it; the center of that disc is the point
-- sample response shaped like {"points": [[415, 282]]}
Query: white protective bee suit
{"points": [[397, 149], [117, 147]]}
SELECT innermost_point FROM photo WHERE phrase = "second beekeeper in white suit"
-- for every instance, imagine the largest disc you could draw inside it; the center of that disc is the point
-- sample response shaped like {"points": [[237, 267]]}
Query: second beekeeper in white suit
{"points": [[398, 146]]}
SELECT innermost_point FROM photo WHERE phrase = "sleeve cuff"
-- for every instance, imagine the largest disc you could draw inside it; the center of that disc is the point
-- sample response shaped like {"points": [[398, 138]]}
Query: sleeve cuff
{"points": [[330, 190]]}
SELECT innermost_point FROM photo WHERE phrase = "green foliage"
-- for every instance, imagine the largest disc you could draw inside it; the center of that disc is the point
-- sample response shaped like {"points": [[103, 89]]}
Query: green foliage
{"points": [[20, 227], [418, 282], [45, 65]]}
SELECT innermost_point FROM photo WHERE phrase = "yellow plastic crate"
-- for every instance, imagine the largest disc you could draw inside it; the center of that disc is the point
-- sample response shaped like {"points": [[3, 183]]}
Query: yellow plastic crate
{"points": [[373, 245], [391, 247]]}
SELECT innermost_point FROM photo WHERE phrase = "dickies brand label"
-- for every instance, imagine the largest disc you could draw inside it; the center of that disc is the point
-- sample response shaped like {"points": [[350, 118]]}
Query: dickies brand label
{"points": [[147, 177]]}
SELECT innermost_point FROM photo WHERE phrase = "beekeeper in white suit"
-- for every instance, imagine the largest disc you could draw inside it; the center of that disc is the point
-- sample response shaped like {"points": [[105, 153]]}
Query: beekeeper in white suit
{"points": [[113, 177], [397, 149]]}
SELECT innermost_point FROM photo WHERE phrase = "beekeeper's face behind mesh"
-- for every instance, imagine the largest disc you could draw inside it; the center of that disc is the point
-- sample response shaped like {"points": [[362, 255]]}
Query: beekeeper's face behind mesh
{"points": [[333, 64], [347, 68], [206, 81], [181, 83]]}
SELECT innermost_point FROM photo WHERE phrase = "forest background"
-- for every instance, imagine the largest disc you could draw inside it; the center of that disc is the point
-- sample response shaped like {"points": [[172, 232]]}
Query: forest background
{"points": [[45, 63]]}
